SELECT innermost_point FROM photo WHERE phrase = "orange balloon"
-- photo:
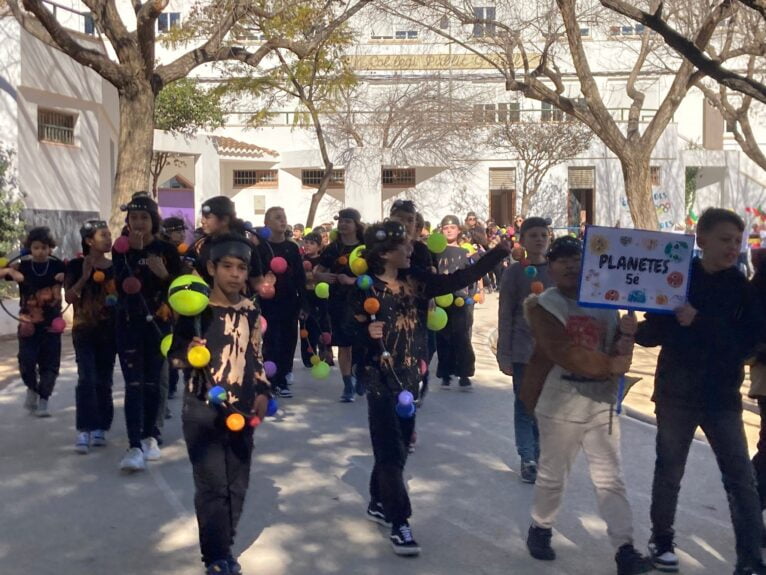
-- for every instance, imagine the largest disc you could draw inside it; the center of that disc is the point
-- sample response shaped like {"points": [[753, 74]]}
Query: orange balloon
{"points": [[235, 422], [371, 305], [304, 333], [537, 287], [182, 248], [342, 260], [99, 276]]}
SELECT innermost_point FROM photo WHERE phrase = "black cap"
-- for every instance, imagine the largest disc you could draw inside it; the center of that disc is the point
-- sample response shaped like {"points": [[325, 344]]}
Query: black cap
{"points": [[141, 202], [470, 215], [313, 237], [563, 247], [234, 246], [349, 214], [89, 227], [450, 220], [533, 222], [407, 206], [382, 232], [219, 206], [173, 224]]}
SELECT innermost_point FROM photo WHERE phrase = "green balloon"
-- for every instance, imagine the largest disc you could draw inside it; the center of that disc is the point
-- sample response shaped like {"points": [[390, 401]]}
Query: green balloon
{"points": [[165, 344], [322, 290], [188, 295], [321, 370], [437, 243], [437, 319], [444, 300], [355, 253]]}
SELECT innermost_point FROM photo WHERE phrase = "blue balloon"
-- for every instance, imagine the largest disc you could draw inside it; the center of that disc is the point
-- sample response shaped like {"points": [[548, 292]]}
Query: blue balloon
{"points": [[469, 301], [217, 395], [264, 233], [405, 398], [24, 252], [405, 411], [272, 408]]}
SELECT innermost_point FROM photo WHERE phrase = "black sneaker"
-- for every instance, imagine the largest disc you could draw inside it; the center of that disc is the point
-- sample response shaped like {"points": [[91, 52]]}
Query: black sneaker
{"points": [[662, 554], [375, 513], [234, 567], [446, 381], [283, 392], [402, 541], [465, 384], [359, 387], [631, 562], [528, 471], [539, 543], [220, 567]]}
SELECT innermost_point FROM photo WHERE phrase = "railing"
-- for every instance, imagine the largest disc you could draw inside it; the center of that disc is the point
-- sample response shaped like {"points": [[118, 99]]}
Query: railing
{"points": [[79, 21]]}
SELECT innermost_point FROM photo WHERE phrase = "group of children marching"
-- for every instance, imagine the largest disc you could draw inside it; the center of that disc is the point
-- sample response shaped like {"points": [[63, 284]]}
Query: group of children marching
{"points": [[564, 359]]}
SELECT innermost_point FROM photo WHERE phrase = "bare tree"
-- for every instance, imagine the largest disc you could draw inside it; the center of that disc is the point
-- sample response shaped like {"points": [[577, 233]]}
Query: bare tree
{"points": [[539, 147], [214, 28], [537, 48]]}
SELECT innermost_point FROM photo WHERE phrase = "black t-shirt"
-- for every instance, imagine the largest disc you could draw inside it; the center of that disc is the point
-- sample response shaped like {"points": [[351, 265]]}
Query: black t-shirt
{"points": [[421, 256], [91, 310], [153, 289], [40, 292], [452, 259], [233, 336], [290, 286]]}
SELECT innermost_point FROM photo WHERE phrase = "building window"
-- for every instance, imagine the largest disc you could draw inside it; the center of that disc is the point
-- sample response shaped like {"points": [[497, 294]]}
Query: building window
{"points": [[55, 127], [627, 30], [398, 177], [259, 205], [168, 20], [487, 27], [584, 32], [549, 113], [496, 113], [387, 31], [731, 126], [656, 175], [90, 25], [312, 178], [255, 178]]}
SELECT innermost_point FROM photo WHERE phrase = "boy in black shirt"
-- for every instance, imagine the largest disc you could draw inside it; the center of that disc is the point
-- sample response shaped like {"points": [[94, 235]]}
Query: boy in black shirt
{"points": [[221, 456], [39, 278], [144, 266], [317, 321], [699, 374], [281, 309]]}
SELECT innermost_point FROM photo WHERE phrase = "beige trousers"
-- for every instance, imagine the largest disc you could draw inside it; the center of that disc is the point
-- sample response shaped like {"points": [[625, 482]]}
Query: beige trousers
{"points": [[560, 442]]}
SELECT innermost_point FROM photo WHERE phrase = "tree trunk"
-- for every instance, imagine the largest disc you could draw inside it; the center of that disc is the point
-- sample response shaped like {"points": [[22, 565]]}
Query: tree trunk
{"points": [[134, 156], [526, 200], [638, 188]]}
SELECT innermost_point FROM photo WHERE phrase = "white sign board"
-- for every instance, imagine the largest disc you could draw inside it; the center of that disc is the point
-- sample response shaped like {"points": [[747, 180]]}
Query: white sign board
{"points": [[635, 269]]}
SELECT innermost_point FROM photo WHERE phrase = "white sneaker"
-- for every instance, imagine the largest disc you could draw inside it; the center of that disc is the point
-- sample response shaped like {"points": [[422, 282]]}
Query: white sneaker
{"points": [[30, 403], [42, 408], [151, 449], [133, 460], [82, 445]]}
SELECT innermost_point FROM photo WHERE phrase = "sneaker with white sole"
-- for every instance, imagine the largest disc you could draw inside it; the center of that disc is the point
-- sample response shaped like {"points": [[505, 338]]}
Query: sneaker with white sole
{"points": [[283, 392], [82, 445], [98, 438], [151, 449], [375, 513], [528, 471], [662, 554], [133, 460], [42, 408], [30, 401], [402, 540]]}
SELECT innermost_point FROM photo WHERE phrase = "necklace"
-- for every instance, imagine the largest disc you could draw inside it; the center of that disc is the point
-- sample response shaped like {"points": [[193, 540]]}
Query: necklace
{"points": [[45, 271]]}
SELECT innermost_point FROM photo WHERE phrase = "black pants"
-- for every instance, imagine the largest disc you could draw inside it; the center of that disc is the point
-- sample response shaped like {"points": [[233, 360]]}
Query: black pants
{"points": [[221, 467], [726, 434], [281, 338], [138, 345], [39, 360], [390, 435], [95, 353], [759, 459], [453, 344]]}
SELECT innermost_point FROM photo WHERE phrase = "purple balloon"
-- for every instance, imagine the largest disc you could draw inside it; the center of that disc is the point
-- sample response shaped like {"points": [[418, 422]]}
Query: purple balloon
{"points": [[270, 368]]}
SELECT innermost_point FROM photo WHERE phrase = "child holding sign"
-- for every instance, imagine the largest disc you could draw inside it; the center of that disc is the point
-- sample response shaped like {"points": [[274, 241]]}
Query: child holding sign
{"points": [[578, 354], [699, 373]]}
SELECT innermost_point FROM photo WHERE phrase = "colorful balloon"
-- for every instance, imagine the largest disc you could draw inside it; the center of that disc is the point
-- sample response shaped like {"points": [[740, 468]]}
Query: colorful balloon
{"points": [[359, 266], [58, 325], [322, 290], [272, 407], [423, 366], [315, 359], [405, 398], [266, 290], [264, 324], [99, 276], [459, 302], [530, 271], [111, 300], [270, 369], [537, 287], [444, 300], [355, 254], [254, 421], [321, 370], [405, 411], [3, 262], [217, 395], [235, 422], [198, 356], [121, 245], [371, 305], [437, 319], [326, 338], [131, 285], [278, 265], [165, 344], [304, 333], [182, 248], [437, 243], [188, 295], [363, 282]]}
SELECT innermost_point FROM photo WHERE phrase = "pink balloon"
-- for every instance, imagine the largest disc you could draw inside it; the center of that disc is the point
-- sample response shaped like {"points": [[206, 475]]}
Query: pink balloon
{"points": [[266, 290], [26, 329], [131, 285], [58, 325], [326, 338], [264, 325], [121, 245], [307, 266], [423, 367], [278, 265]]}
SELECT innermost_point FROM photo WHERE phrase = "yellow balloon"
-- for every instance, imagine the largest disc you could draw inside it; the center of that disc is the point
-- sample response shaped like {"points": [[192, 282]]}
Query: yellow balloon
{"points": [[359, 266], [165, 344], [3, 262], [459, 302], [198, 356], [314, 360]]}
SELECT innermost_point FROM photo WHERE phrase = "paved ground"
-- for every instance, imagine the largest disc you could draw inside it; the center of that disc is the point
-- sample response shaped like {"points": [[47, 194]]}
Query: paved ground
{"points": [[68, 514]]}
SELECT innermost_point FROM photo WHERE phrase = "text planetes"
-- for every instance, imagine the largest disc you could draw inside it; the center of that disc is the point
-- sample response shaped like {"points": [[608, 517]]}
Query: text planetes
{"points": [[635, 264]]}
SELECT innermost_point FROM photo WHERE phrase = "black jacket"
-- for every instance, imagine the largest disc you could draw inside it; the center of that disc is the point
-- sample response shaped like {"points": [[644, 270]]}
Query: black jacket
{"points": [[701, 366]]}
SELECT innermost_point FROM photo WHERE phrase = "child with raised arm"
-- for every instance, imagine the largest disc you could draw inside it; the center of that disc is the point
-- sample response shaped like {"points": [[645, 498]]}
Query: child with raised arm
{"points": [[220, 456]]}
